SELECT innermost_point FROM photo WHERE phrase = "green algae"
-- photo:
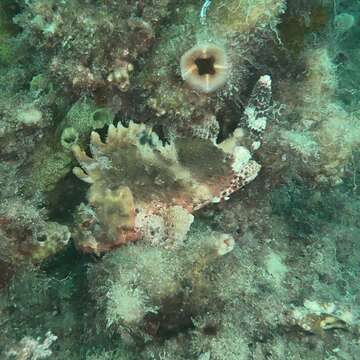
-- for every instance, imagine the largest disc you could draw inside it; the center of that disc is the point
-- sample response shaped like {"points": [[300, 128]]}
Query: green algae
{"points": [[7, 31]]}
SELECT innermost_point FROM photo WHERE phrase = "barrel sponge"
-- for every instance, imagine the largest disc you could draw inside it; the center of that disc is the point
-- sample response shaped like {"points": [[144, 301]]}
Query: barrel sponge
{"points": [[205, 67]]}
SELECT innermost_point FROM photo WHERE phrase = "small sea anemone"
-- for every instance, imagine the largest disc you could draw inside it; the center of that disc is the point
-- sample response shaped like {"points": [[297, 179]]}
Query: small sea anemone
{"points": [[205, 67]]}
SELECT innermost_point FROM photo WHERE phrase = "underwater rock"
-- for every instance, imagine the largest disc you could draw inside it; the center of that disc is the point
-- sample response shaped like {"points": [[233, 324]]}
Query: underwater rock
{"points": [[120, 75], [8, 51], [145, 285], [243, 16], [189, 87], [174, 87], [326, 134], [86, 52], [344, 22], [30, 348], [316, 318], [26, 234]]}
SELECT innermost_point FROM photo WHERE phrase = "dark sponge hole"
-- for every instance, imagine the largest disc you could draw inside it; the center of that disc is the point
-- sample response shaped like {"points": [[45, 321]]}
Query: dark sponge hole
{"points": [[205, 66]]}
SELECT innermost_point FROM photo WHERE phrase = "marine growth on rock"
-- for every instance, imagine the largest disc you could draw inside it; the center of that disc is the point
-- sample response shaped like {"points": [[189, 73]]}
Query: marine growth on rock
{"points": [[179, 180]]}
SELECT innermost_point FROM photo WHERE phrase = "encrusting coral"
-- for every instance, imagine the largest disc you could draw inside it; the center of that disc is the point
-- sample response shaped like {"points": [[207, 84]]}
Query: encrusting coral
{"points": [[181, 274]]}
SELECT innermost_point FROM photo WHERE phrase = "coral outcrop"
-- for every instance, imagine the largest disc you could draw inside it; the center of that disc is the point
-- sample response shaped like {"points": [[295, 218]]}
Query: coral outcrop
{"points": [[26, 235], [184, 103], [326, 134], [226, 31], [243, 16], [144, 285]]}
